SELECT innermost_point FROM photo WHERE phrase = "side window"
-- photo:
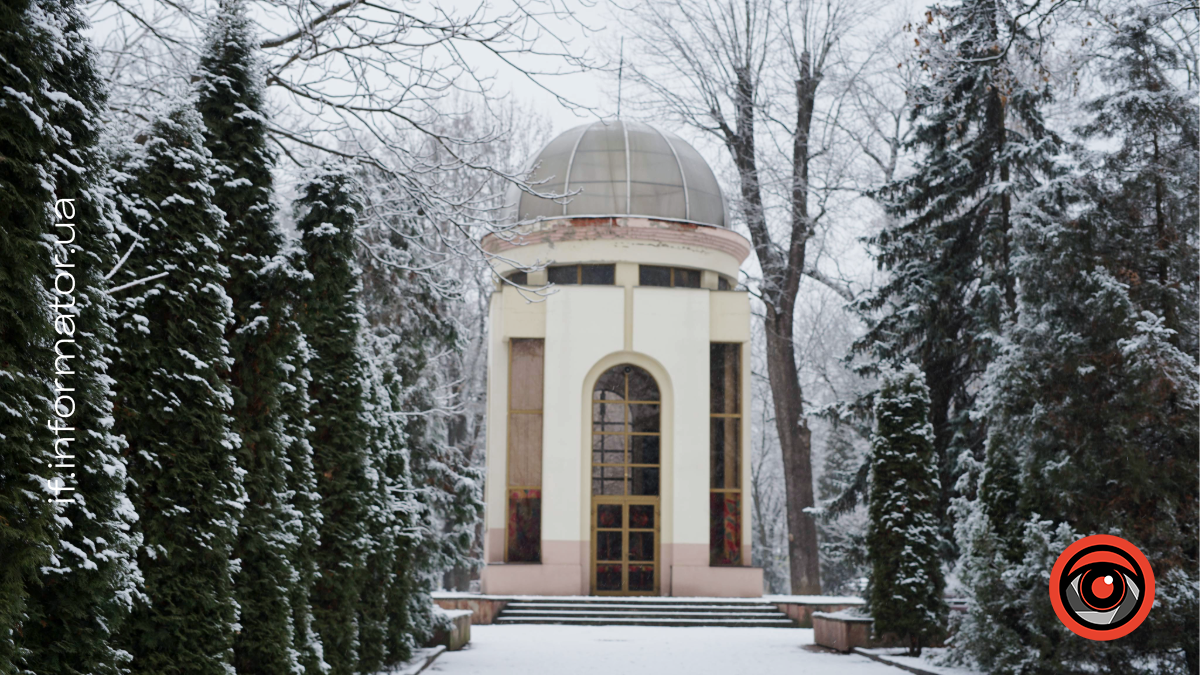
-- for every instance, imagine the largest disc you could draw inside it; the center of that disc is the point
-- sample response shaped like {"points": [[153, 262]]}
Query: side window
{"points": [[523, 536], [588, 275], [725, 456], [677, 277]]}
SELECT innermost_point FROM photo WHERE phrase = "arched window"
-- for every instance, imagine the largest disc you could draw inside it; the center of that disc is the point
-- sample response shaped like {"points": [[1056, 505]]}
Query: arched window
{"points": [[626, 461], [625, 433]]}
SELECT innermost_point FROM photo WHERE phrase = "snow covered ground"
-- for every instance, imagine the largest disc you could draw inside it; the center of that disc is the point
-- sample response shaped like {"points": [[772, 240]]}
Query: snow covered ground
{"points": [[648, 650]]}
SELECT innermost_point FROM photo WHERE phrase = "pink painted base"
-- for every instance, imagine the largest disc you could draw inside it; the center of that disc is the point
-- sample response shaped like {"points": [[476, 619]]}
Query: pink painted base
{"points": [[716, 582]]}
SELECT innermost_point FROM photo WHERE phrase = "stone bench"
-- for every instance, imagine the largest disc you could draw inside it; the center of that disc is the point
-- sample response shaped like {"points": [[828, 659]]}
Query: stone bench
{"points": [[842, 631]]}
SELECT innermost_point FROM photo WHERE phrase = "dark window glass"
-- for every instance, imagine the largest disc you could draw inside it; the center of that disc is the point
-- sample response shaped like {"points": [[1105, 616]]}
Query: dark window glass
{"points": [[643, 418], [643, 481], [725, 528], [724, 377], [641, 577], [608, 545], [723, 284], [643, 449], [642, 386], [725, 515], [608, 577], [723, 455], [641, 516], [564, 274], [649, 275], [597, 275], [641, 546], [519, 278], [687, 278], [525, 526], [608, 515]]}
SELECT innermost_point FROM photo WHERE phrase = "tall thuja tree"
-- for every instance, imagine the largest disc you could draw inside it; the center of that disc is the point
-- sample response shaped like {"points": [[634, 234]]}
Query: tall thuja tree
{"points": [[262, 336], [906, 582], [333, 323], [390, 521], [28, 531], [1095, 403], [294, 405], [173, 403], [88, 586], [981, 142]]}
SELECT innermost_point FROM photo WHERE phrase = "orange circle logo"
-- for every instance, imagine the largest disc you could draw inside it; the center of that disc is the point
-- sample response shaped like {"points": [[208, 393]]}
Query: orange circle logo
{"points": [[1102, 587]]}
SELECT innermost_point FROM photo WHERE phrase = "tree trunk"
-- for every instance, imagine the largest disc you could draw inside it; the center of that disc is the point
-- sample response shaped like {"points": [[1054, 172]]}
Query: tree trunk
{"points": [[796, 448], [781, 284]]}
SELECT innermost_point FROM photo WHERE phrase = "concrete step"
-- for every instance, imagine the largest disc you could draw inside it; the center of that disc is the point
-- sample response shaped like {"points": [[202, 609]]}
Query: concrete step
{"points": [[646, 621], [647, 613], [602, 611], [629, 607]]}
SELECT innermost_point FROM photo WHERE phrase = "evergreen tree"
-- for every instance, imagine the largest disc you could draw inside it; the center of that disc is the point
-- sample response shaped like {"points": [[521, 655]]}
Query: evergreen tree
{"points": [[982, 142], [302, 482], [173, 404], [327, 216], [261, 337], [906, 583], [88, 586], [843, 533], [1095, 402], [391, 491], [28, 531], [407, 297]]}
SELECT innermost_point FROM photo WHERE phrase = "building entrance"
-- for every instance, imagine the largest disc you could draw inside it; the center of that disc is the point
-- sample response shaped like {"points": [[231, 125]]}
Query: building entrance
{"points": [[626, 467]]}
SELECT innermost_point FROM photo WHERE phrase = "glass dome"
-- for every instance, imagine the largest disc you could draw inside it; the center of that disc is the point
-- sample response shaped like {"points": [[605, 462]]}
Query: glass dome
{"points": [[622, 168]]}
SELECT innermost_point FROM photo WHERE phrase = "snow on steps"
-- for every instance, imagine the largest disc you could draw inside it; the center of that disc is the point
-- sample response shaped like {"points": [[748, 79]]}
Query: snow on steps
{"points": [[601, 611]]}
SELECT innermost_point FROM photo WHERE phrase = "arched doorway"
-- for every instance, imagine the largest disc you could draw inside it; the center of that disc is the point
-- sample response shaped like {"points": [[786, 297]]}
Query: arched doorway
{"points": [[626, 467]]}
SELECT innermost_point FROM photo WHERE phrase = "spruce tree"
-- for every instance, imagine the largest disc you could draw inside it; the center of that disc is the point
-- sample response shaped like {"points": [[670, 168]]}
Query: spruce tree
{"points": [[332, 319], [173, 403], [261, 337], [1095, 403], [982, 142], [906, 582], [28, 531], [843, 531], [88, 586]]}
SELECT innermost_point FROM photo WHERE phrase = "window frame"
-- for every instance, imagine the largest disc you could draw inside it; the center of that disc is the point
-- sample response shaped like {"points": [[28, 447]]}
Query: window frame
{"points": [[611, 268], [672, 274], [737, 489]]}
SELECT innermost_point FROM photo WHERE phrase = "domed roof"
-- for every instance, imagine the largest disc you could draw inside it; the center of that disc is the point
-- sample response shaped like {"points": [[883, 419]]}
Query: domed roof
{"points": [[623, 168]]}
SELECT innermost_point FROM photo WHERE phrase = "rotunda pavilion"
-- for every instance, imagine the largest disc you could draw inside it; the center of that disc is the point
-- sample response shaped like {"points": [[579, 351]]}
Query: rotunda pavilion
{"points": [[617, 443]]}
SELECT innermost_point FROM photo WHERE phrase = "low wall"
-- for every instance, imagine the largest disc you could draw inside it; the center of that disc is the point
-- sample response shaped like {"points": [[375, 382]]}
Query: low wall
{"points": [[483, 608], [800, 608], [841, 631], [458, 633]]}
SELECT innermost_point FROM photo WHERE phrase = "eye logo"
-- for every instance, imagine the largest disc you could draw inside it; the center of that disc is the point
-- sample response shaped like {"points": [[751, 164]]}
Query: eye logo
{"points": [[1102, 587]]}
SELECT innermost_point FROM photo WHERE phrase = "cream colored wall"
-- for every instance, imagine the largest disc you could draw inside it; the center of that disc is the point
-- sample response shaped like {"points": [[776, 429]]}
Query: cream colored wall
{"points": [[587, 330], [583, 325], [670, 325]]}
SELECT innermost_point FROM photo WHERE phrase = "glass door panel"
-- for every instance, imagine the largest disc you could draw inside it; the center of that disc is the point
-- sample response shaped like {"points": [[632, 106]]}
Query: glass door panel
{"points": [[625, 545]]}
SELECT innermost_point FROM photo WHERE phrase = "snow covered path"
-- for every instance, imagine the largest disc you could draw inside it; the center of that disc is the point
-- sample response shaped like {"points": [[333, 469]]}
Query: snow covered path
{"points": [[648, 650]]}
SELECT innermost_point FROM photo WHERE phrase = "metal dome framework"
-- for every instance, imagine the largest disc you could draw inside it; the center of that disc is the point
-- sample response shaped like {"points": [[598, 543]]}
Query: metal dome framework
{"points": [[623, 168]]}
